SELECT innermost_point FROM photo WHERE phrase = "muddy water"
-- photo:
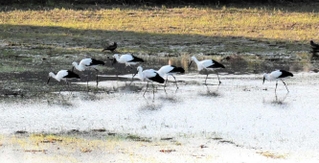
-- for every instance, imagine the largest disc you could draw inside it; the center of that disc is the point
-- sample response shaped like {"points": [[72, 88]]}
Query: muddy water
{"points": [[241, 110]]}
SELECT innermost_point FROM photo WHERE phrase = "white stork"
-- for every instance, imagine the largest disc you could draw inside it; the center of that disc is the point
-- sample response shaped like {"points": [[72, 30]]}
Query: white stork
{"points": [[208, 64], [167, 70], [127, 59], [64, 75], [277, 75], [149, 75], [88, 63]]}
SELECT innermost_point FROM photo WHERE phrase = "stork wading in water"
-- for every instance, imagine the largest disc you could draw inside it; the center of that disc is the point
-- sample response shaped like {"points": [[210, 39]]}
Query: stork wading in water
{"points": [[171, 70], [149, 75], [127, 59], [208, 64], [88, 63], [277, 75], [64, 75]]}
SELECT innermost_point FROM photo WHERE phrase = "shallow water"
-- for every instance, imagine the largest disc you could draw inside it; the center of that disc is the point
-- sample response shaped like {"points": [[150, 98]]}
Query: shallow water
{"points": [[241, 110], [26, 75]]}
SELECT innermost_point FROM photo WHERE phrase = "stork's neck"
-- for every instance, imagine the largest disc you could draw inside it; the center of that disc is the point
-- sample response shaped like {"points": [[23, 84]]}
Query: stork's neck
{"points": [[195, 60], [79, 67], [268, 77], [160, 72], [54, 76], [199, 67], [117, 58], [140, 74]]}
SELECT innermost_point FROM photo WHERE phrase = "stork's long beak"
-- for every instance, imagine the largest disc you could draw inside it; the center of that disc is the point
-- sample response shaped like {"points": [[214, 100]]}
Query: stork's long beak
{"points": [[190, 64], [48, 80], [264, 80], [133, 77]]}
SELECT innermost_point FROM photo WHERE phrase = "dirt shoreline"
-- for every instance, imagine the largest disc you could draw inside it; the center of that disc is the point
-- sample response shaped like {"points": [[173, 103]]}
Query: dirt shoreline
{"points": [[75, 148]]}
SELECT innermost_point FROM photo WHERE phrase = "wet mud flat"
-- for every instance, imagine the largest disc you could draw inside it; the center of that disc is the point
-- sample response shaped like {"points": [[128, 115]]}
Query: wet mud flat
{"points": [[196, 121], [27, 61]]}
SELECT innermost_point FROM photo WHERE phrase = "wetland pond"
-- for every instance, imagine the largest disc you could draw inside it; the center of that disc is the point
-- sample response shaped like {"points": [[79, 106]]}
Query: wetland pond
{"points": [[241, 111]]}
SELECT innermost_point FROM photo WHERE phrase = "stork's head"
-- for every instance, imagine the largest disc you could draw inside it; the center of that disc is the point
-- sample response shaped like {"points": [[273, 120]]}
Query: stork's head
{"points": [[74, 64], [139, 69], [116, 56], [51, 74], [193, 58]]}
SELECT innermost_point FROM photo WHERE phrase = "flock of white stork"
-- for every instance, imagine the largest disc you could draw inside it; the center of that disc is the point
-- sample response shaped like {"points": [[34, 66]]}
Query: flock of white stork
{"points": [[151, 75]]}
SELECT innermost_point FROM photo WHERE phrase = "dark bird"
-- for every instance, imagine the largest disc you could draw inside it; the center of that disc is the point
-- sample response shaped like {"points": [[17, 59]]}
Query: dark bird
{"points": [[277, 75], [111, 47], [314, 45]]}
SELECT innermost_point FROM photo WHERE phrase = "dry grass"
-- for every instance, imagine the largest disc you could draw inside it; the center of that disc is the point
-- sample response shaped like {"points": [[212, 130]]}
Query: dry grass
{"points": [[268, 23], [70, 148], [117, 148], [272, 155], [153, 30]]}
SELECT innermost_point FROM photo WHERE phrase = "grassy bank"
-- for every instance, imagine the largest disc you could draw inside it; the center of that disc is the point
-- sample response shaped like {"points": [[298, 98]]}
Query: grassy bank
{"points": [[286, 24]]}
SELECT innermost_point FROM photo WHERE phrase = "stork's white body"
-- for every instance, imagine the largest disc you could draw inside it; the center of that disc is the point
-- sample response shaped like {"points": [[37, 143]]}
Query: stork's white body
{"points": [[127, 59], [87, 62], [277, 75], [61, 75], [148, 75], [167, 70], [207, 64], [204, 64]]}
